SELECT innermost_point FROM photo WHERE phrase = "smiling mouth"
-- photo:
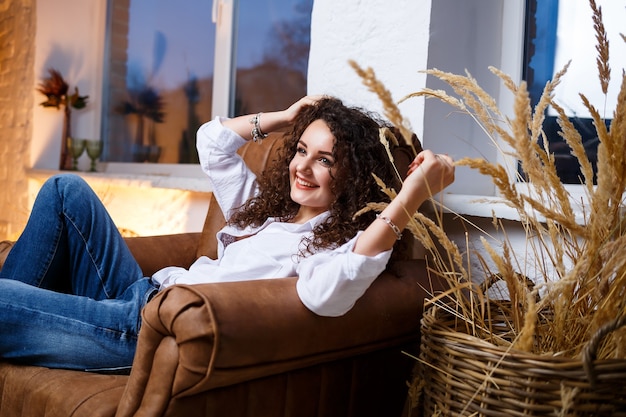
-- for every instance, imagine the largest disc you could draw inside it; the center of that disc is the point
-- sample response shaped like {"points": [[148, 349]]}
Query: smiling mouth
{"points": [[304, 183]]}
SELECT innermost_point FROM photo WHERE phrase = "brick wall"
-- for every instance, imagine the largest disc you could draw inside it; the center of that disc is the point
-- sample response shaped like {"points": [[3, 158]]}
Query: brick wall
{"points": [[17, 43], [118, 46]]}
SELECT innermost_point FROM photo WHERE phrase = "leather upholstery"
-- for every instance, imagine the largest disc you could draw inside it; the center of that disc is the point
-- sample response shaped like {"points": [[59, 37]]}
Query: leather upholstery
{"points": [[5, 248], [242, 349]]}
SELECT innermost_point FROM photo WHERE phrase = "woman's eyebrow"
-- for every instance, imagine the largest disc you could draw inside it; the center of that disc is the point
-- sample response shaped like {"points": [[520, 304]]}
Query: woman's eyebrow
{"points": [[329, 153]]}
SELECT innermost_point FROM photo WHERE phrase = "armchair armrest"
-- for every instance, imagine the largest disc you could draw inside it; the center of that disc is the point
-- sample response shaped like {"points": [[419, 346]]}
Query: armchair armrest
{"points": [[156, 252], [221, 334]]}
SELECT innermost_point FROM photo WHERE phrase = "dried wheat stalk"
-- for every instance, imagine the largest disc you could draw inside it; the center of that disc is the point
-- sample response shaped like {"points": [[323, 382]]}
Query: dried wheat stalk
{"points": [[584, 283], [391, 110]]}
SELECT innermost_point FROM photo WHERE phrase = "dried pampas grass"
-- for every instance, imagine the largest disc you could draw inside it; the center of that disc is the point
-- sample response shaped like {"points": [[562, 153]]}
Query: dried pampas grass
{"points": [[583, 282]]}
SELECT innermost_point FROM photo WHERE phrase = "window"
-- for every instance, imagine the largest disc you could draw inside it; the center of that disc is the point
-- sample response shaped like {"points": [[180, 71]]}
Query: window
{"points": [[557, 32], [171, 67]]}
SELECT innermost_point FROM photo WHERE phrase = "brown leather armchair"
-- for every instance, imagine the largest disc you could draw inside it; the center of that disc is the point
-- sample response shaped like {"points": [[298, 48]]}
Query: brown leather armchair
{"points": [[244, 348]]}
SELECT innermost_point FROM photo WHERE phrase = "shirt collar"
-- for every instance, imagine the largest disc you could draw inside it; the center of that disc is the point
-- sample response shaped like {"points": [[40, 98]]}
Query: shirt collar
{"points": [[309, 224]]}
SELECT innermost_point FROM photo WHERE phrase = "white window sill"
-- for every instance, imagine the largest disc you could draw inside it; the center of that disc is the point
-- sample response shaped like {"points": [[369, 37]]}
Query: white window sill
{"points": [[488, 206], [478, 206], [168, 176]]}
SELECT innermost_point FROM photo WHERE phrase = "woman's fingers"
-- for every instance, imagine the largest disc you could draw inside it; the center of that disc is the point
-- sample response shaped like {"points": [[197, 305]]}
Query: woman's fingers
{"points": [[438, 169]]}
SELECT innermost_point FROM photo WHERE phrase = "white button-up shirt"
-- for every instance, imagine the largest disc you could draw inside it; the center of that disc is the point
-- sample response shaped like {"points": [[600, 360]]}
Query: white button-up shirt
{"points": [[329, 281]]}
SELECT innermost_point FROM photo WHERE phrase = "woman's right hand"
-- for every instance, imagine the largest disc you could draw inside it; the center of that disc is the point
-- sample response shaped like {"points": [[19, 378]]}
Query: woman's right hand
{"points": [[269, 121], [292, 111]]}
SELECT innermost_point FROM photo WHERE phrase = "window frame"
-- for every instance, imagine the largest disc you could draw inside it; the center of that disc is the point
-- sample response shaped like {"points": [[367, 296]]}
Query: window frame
{"points": [[224, 16], [512, 63]]}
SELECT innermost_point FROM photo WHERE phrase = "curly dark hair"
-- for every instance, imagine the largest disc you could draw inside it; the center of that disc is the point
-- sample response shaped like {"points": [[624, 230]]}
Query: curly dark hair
{"points": [[358, 154]]}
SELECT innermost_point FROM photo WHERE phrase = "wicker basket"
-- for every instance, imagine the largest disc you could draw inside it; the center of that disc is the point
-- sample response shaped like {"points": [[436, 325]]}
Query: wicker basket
{"points": [[468, 376]]}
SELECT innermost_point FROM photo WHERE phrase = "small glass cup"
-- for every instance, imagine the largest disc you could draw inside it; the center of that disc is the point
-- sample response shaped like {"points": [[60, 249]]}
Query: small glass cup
{"points": [[94, 150], [77, 147]]}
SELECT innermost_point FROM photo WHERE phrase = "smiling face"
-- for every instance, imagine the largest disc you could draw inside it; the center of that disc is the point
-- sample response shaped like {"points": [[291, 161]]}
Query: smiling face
{"points": [[311, 171]]}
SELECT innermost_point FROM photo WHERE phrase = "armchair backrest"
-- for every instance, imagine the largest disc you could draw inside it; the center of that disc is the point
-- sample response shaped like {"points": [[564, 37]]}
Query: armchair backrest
{"points": [[256, 157]]}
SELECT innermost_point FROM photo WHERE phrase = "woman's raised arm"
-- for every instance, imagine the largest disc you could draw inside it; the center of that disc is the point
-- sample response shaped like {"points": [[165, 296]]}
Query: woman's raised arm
{"points": [[270, 121], [428, 174]]}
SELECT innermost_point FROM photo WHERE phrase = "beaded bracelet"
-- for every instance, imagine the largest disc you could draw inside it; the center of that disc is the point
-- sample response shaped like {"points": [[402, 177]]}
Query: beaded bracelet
{"points": [[395, 228], [257, 133]]}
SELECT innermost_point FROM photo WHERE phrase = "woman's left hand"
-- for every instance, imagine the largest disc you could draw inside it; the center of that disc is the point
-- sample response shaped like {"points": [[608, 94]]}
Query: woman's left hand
{"points": [[429, 173]]}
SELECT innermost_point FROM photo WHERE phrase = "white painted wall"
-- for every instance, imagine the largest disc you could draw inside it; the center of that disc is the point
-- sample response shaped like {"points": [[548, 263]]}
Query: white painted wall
{"points": [[70, 38], [390, 36]]}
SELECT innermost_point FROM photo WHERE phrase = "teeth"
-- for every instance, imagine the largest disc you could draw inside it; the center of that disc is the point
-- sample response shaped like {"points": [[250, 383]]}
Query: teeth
{"points": [[304, 183]]}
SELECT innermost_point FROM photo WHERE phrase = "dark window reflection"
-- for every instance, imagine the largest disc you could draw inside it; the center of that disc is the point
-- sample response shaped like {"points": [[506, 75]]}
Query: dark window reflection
{"points": [[539, 66], [160, 73], [273, 38]]}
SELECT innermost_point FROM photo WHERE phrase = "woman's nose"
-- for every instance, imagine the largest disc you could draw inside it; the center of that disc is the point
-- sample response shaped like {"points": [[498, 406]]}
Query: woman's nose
{"points": [[304, 164]]}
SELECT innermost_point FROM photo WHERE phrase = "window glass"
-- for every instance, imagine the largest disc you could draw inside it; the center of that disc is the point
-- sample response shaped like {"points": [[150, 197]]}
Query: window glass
{"points": [[159, 78], [273, 38], [559, 32]]}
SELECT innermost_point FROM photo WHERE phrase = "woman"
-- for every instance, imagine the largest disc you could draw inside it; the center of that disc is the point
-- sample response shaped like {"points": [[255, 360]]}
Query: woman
{"points": [[71, 293]]}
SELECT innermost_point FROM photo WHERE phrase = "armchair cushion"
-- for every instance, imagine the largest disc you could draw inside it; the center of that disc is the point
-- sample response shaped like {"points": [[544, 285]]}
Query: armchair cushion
{"points": [[156, 252], [257, 157]]}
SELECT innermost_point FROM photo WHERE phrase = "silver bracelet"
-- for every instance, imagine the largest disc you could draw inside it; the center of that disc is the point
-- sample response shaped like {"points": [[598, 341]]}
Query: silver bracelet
{"points": [[257, 133], [395, 228]]}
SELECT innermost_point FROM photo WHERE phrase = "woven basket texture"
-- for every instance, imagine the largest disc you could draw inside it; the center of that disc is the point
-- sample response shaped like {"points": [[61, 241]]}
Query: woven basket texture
{"points": [[464, 375]]}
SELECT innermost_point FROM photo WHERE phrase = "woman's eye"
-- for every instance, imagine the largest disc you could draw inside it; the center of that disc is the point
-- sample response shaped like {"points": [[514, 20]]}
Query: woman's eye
{"points": [[326, 162], [301, 151]]}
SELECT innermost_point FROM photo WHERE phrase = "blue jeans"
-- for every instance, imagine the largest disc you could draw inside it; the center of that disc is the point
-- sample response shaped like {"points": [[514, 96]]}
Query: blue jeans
{"points": [[71, 292]]}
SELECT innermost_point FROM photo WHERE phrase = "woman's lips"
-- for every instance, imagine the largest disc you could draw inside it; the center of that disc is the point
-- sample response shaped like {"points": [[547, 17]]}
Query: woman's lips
{"points": [[301, 183]]}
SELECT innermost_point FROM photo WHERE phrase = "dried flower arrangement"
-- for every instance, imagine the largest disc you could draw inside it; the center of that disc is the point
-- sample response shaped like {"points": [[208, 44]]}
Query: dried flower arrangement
{"points": [[583, 281], [55, 88]]}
